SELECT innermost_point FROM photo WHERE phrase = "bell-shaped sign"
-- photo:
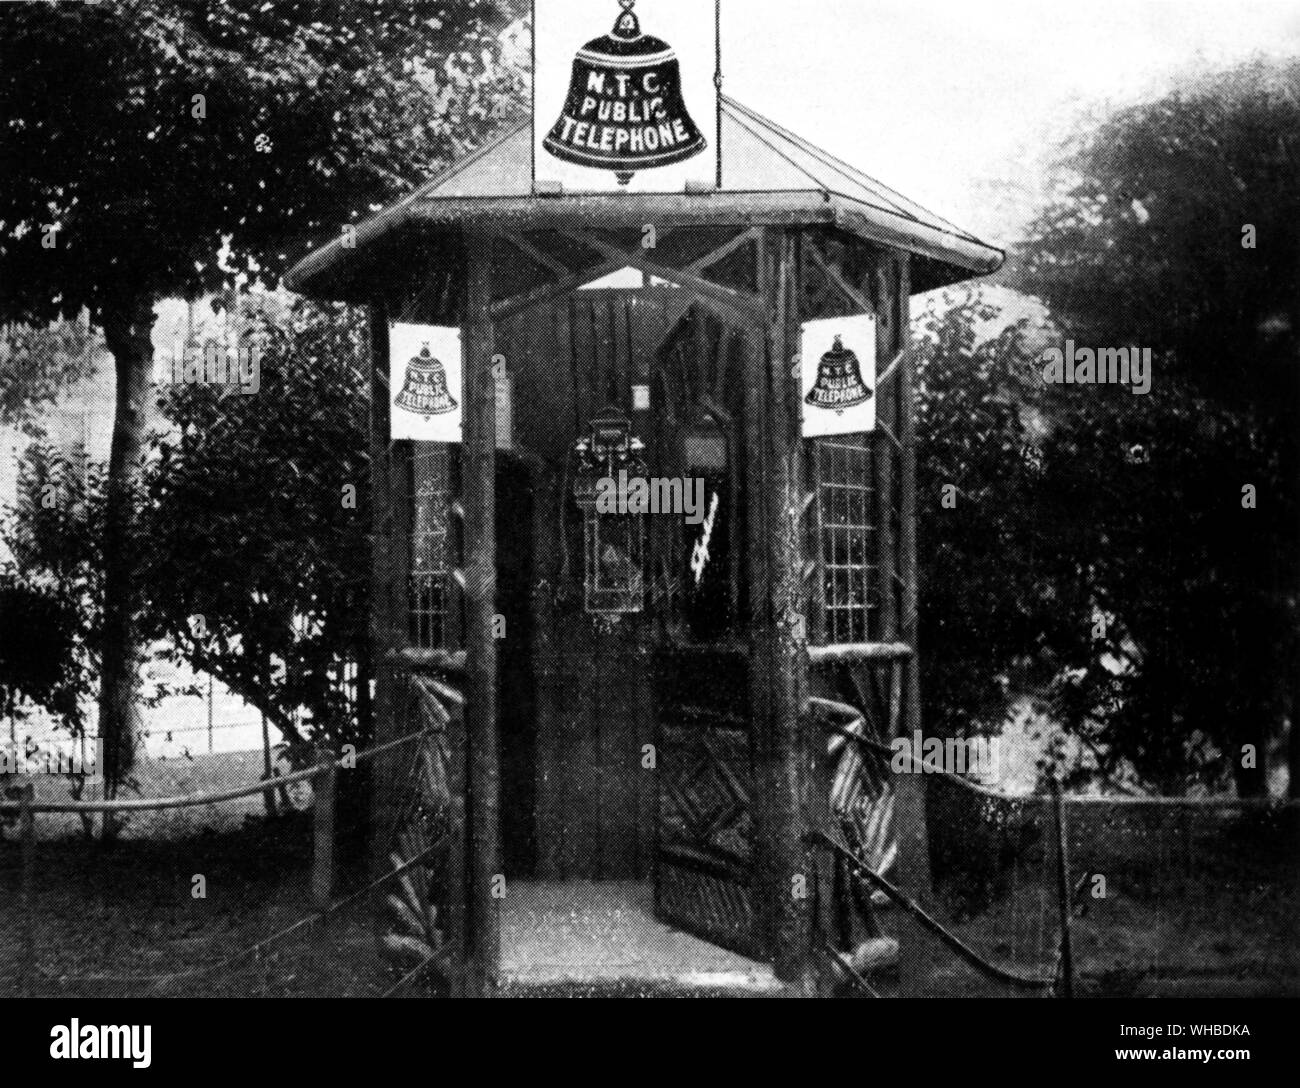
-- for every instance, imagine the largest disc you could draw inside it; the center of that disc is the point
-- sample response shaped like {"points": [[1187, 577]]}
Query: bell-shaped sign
{"points": [[425, 390], [839, 384], [425, 376], [623, 112], [838, 361]]}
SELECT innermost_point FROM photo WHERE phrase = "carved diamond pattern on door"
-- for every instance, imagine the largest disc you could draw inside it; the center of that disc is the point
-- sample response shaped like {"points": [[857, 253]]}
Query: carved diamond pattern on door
{"points": [[706, 802]]}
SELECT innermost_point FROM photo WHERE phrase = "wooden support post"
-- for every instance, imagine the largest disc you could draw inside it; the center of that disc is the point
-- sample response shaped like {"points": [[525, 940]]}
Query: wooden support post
{"points": [[913, 834], [766, 887], [322, 870], [382, 641], [27, 829], [457, 926], [483, 952], [912, 873], [890, 409], [1065, 904], [789, 768], [908, 561]]}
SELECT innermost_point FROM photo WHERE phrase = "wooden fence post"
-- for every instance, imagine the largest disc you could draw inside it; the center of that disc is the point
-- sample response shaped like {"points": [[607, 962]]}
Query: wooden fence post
{"points": [[913, 875], [322, 876], [27, 827], [1065, 904]]}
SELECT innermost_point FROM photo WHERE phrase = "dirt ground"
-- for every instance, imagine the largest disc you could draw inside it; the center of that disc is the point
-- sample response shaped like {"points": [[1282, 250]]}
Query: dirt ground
{"points": [[129, 910], [1220, 920], [1207, 907]]}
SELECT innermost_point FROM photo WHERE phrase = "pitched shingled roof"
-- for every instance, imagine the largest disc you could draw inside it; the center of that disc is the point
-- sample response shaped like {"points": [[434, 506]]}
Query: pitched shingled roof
{"points": [[769, 176]]}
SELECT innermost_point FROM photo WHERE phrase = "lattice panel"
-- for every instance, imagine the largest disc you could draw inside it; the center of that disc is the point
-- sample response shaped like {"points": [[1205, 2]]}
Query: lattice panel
{"points": [[705, 854], [853, 567], [716, 909], [414, 915], [861, 790], [431, 545], [844, 538], [705, 795]]}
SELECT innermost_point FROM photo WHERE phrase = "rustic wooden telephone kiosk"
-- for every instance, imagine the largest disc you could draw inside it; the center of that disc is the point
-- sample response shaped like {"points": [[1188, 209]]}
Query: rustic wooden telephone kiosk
{"points": [[800, 580]]}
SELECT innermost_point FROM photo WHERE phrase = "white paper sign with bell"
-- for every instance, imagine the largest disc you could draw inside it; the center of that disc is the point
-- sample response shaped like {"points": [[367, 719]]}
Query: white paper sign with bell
{"points": [[425, 367], [624, 98], [838, 367]]}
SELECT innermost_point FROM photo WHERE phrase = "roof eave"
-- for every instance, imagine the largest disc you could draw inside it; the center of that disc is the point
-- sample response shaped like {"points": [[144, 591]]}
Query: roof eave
{"points": [[325, 272], [964, 257]]}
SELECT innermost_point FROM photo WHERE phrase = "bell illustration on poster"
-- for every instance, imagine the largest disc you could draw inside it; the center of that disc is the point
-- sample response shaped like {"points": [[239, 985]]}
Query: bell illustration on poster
{"points": [[424, 381], [838, 367], [425, 391], [631, 109]]}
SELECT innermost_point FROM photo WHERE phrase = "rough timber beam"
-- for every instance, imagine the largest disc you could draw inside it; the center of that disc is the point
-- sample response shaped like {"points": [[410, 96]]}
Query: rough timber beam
{"points": [[740, 303]]}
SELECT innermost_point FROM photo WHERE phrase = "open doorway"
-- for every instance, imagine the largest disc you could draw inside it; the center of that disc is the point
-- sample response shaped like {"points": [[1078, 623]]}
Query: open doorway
{"points": [[627, 748], [516, 680]]}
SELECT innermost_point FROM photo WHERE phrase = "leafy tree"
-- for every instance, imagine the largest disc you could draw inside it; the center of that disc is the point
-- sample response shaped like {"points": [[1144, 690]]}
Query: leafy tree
{"points": [[49, 620], [256, 532], [142, 134], [47, 614], [37, 363], [988, 600], [1177, 233], [37, 644], [49, 591], [257, 552]]}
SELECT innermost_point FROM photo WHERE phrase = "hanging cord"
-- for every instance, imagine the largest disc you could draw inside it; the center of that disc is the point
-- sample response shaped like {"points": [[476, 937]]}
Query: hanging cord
{"points": [[1057, 956], [855, 976], [562, 583], [254, 951], [949, 938], [717, 83], [1011, 827], [1063, 885], [416, 971]]}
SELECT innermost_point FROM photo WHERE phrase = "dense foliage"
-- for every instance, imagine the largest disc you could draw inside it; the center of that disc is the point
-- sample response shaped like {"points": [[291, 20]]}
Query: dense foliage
{"points": [[143, 137], [256, 546], [50, 587], [1179, 235], [1103, 541]]}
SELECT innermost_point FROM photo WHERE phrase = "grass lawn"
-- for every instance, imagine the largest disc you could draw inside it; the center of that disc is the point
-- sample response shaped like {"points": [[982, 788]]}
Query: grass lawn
{"points": [[1210, 910]]}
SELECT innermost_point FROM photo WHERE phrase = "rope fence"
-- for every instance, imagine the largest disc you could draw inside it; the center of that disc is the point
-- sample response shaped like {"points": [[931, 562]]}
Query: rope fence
{"points": [[1051, 892], [322, 776], [920, 766], [1035, 860], [253, 950], [217, 797]]}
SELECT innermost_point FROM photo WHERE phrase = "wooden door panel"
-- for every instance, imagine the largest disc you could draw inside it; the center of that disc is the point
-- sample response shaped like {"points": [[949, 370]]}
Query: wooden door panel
{"points": [[708, 854], [706, 857]]}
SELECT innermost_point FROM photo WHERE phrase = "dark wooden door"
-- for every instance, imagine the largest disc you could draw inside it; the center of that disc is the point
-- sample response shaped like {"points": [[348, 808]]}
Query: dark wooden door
{"points": [[707, 846], [592, 802], [706, 861], [516, 681]]}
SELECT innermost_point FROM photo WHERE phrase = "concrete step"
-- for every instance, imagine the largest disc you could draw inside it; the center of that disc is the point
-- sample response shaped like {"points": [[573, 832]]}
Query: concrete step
{"points": [[578, 938]]}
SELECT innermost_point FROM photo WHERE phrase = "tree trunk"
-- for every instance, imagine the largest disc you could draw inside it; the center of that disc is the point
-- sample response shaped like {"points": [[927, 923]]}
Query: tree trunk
{"points": [[1293, 742], [1252, 782], [128, 326], [354, 797], [268, 770]]}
